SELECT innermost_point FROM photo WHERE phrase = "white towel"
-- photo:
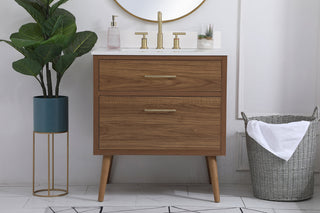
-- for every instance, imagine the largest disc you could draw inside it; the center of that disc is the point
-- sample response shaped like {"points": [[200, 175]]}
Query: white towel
{"points": [[280, 139]]}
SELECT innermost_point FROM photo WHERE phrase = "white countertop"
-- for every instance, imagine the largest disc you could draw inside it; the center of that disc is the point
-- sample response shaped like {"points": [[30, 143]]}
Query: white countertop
{"points": [[184, 52]]}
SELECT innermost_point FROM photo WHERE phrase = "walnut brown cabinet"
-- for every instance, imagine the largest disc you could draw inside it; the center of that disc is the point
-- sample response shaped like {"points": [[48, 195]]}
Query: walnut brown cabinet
{"points": [[160, 105]]}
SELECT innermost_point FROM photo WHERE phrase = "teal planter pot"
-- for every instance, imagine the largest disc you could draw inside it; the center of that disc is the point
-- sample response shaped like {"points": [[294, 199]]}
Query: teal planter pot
{"points": [[50, 114]]}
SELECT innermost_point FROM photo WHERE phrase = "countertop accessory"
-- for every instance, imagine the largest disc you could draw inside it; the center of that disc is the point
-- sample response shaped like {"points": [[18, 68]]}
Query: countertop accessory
{"points": [[279, 180], [113, 35], [144, 40], [205, 40], [176, 43]]}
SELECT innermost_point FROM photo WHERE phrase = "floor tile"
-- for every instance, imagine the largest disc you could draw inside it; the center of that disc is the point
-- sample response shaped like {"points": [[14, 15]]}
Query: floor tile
{"points": [[156, 209], [224, 202], [202, 195], [116, 194], [73, 209], [165, 195], [42, 202], [257, 210], [184, 209], [19, 191], [12, 202], [163, 189], [235, 190], [124, 197], [39, 202], [109, 209], [312, 204], [295, 211], [43, 210], [24, 191]]}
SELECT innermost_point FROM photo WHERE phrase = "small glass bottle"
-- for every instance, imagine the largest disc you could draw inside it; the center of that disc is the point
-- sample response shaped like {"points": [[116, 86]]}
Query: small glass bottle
{"points": [[113, 35]]}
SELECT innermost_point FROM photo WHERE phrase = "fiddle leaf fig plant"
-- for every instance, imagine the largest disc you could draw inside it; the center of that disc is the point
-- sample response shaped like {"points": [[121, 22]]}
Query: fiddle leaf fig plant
{"points": [[49, 45]]}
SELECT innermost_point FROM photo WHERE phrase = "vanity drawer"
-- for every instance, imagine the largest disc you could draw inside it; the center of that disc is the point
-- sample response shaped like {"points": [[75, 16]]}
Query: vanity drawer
{"points": [[159, 123], [118, 75]]}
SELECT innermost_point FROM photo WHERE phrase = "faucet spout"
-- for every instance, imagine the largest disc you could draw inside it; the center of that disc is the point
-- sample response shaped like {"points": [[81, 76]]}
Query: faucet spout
{"points": [[160, 34]]}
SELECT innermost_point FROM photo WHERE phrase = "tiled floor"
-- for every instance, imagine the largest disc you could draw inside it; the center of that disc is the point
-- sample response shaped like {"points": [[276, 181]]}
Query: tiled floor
{"points": [[179, 197]]}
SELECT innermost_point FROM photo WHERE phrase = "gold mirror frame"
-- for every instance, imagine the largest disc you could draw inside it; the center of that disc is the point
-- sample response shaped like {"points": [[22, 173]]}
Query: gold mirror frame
{"points": [[116, 1]]}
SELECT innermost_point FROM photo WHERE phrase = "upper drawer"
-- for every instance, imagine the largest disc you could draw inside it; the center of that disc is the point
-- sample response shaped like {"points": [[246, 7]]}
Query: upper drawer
{"points": [[160, 75]]}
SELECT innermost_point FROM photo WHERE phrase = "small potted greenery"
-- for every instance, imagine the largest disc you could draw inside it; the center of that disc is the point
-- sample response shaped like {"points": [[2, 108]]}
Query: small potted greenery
{"points": [[205, 41], [49, 46]]}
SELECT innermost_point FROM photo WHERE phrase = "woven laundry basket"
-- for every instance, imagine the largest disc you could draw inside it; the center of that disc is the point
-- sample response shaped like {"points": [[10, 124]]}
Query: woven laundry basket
{"points": [[276, 179]]}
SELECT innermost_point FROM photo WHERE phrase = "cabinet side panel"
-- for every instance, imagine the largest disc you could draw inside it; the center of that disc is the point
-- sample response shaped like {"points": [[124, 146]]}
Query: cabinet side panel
{"points": [[224, 65], [95, 104]]}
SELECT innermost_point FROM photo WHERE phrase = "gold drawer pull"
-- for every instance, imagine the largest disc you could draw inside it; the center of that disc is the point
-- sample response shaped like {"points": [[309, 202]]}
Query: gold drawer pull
{"points": [[160, 110], [160, 76]]}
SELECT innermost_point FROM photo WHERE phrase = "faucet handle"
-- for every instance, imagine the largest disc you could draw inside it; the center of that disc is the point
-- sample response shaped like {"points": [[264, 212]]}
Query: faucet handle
{"points": [[144, 41], [176, 42], [178, 33]]}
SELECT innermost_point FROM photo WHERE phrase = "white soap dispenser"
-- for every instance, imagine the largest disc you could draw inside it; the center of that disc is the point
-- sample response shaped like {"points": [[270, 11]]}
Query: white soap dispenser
{"points": [[113, 37]]}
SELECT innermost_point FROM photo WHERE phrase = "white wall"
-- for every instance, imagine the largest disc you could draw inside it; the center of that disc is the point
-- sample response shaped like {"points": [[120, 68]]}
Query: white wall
{"points": [[279, 51], [16, 93]]}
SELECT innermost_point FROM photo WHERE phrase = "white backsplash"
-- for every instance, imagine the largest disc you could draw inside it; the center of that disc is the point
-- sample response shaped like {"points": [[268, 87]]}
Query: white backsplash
{"points": [[130, 40]]}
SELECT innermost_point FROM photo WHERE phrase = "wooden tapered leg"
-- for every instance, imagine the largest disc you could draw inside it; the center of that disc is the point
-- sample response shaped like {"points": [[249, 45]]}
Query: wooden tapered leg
{"points": [[209, 175], [105, 170], [212, 162], [108, 181]]}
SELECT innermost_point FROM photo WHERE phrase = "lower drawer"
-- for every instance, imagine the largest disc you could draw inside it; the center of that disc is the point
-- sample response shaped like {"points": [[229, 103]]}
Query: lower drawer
{"points": [[159, 123]]}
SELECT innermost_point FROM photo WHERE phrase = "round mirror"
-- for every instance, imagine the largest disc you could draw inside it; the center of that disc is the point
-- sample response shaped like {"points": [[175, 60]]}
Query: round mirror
{"points": [[148, 9]]}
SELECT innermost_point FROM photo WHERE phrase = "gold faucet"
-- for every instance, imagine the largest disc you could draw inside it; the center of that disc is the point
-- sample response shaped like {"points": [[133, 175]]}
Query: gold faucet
{"points": [[160, 34]]}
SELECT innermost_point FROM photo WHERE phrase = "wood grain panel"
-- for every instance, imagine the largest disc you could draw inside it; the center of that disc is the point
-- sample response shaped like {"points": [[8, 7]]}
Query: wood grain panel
{"points": [[125, 125], [129, 75]]}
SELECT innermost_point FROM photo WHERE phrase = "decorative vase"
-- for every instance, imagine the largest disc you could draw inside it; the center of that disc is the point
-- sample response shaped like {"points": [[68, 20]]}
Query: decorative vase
{"points": [[205, 43], [50, 115]]}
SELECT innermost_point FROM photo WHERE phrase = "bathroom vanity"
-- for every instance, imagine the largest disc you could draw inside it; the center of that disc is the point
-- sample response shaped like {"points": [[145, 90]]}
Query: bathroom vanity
{"points": [[159, 103]]}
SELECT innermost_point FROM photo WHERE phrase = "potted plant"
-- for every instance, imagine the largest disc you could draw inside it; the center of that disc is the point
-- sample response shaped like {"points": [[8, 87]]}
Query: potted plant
{"points": [[205, 41], [49, 46]]}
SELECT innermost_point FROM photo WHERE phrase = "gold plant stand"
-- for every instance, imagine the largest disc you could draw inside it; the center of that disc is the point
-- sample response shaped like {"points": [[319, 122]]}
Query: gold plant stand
{"points": [[51, 186]]}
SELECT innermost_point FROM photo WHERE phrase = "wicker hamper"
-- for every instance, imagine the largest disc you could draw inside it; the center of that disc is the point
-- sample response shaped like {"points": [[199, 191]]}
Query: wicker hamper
{"points": [[274, 178]]}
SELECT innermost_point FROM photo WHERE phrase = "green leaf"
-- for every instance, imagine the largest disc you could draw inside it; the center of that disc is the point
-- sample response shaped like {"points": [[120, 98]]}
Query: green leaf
{"points": [[21, 41], [82, 43], [27, 66], [28, 35], [56, 5], [21, 50], [69, 21], [34, 9], [52, 25], [63, 63], [43, 2], [64, 34], [46, 53]]}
